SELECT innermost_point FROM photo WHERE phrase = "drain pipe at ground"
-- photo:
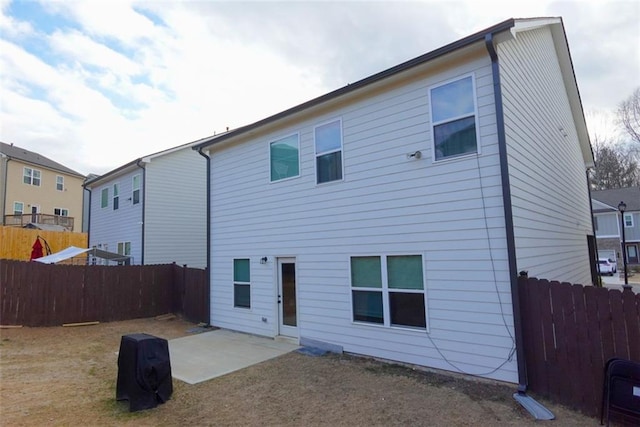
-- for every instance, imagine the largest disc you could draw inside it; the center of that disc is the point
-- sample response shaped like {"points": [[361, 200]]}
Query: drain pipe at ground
{"points": [[538, 411]]}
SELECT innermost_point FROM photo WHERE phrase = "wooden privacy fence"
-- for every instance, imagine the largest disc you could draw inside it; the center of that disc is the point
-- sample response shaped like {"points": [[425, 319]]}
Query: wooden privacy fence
{"points": [[569, 333], [16, 243], [35, 294]]}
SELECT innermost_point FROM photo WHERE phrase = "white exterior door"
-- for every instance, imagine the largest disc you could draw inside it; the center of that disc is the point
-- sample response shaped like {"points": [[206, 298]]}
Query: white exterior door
{"points": [[287, 297]]}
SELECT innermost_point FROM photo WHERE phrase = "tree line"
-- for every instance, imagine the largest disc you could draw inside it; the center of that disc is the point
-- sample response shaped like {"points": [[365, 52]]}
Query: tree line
{"points": [[617, 159]]}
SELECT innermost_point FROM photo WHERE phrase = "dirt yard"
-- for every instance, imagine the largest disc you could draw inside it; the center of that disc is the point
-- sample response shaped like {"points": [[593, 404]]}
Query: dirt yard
{"points": [[66, 376]]}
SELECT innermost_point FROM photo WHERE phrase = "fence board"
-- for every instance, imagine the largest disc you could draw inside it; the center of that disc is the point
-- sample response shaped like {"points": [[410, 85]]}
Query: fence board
{"points": [[16, 242], [591, 325], [631, 308], [35, 294]]}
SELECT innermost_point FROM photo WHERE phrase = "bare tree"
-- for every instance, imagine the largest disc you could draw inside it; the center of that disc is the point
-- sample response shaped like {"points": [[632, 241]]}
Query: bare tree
{"points": [[629, 115], [615, 167]]}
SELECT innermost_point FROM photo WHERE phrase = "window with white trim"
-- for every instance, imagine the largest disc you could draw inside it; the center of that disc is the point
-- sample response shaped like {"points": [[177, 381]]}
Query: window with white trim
{"points": [[628, 220], [135, 196], [59, 182], [328, 146], [104, 198], [241, 283], [18, 208], [61, 212], [124, 248], [116, 197], [284, 157], [388, 290], [453, 119], [31, 176]]}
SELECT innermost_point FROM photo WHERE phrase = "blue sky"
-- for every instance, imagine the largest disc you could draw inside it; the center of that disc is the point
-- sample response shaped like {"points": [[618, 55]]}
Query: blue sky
{"points": [[95, 84]]}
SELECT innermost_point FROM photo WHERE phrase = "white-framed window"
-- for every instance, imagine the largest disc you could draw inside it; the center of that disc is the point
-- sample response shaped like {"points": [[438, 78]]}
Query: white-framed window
{"points": [[388, 290], [628, 220], [18, 208], [284, 157], [241, 283], [59, 182], [135, 186], [328, 147], [31, 176], [61, 211], [124, 248], [116, 197], [454, 118], [104, 198]]}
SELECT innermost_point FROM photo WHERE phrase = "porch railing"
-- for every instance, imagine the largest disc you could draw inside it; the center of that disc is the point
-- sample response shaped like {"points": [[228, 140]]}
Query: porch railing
{"points": [[39, 218]]}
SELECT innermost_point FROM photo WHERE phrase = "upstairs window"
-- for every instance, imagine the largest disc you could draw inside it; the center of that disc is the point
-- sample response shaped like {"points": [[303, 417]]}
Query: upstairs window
{"points": [[104, 198], [116, 197], [328, 144], [453, 119], [241, 283], [135, 196], [60, 183], [31, 177], [284, 158], [628, 220], [388, 291]]}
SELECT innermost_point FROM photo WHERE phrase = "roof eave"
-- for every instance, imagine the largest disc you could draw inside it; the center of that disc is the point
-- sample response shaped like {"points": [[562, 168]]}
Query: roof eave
{"points": [[459, 44]]}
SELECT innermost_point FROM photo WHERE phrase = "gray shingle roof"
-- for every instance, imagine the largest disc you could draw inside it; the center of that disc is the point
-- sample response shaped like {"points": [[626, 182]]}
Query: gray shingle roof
{"points": [[630, 196], [27, 156]]}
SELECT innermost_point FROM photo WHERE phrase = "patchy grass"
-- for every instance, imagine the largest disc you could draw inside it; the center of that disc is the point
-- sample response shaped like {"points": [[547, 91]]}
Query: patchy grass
{"points": [[66, 376]]}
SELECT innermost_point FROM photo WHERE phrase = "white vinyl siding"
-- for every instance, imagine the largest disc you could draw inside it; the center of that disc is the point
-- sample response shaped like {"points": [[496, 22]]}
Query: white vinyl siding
{"points": [[175, 208], [110, 227], [449, 212], [607, 225], [551, 209]]}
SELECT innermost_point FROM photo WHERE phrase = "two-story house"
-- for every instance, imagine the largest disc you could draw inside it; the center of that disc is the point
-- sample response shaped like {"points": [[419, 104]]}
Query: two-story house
{"points": [[152, 208], [391, 217], [35, 189], [608, 222]]}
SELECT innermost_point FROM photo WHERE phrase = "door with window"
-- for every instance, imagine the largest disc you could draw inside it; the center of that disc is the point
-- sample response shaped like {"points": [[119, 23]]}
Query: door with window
{"points": [[287, 297]]}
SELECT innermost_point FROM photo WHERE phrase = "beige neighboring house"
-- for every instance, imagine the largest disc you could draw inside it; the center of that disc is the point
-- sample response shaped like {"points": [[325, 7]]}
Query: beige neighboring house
{"points": [[38, 192]]}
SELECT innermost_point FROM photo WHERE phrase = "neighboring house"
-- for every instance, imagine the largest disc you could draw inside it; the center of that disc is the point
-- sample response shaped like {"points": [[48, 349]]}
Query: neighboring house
{"points": [[35, 189], [152, 209], [608, 222], [391, 217]]}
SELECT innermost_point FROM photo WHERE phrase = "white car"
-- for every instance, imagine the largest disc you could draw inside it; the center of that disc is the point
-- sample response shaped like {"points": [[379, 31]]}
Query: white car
{"points": [[607, 266]]}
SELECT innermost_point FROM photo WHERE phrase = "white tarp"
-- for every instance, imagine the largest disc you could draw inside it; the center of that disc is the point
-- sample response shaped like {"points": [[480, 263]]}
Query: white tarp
{"points": [[72, 251]]}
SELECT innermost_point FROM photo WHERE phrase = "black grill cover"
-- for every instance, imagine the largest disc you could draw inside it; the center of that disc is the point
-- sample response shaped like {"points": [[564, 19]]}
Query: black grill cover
{"points": [[144, 371]]}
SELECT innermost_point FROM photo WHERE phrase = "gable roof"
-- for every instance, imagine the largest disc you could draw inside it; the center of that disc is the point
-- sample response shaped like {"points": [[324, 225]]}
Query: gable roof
{"points": [[512, 25], [629, 195], [26, 156]]}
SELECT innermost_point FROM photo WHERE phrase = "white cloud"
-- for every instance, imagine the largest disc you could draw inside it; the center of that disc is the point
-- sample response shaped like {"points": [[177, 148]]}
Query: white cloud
{"points": [[122, 79]]}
